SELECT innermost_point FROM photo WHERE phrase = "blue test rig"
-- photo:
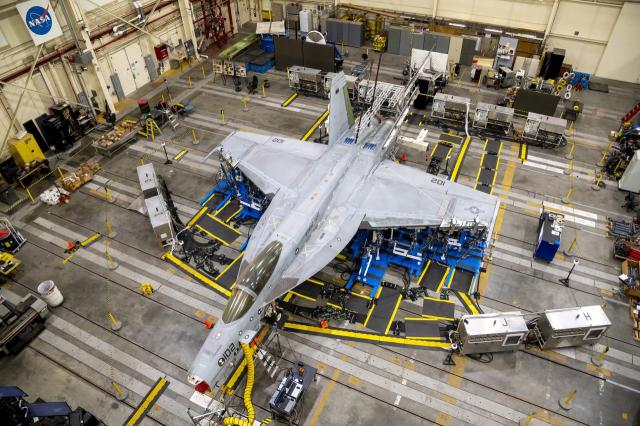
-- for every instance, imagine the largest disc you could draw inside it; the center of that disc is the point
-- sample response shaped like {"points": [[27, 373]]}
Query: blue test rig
{"points": [[232, 184], [452, 244]]}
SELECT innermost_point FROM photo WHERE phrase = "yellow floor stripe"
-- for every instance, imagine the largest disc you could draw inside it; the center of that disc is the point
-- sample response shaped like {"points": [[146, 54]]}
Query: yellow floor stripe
{"points": [[366, 321], [467, 301], [149, 400], [196, 217], [393, 314], [315, 125], [374, 338], [229, 266], [290, 99], [194, 272], [460, 159], [523, 152]]}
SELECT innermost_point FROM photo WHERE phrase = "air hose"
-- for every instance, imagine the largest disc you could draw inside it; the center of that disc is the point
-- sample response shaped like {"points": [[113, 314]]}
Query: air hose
{"points": [[248, 405]]}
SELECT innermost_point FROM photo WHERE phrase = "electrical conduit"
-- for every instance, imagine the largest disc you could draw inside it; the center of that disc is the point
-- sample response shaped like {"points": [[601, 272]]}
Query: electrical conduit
{"points": [[248, 405]]}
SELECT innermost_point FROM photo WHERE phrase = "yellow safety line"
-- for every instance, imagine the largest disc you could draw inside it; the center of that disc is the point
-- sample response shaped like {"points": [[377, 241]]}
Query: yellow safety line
{"points": [[213, 194], [312, 280], [376, 338], [444, 276], [148, 401], [288, 297], [500, 149], [333, 305], [461, 155], [341, 256], [229, 266], [424, 271], [181, 154], [439, 300], [315, 126], [428, 339], [223, 206], [303, 296], [169, 256], [422, 318], [366, 321], [360, 295], [393, 314], [486, 142], [290, 99], [234, 214], [467, 301], [196, 217], [433, 151]]}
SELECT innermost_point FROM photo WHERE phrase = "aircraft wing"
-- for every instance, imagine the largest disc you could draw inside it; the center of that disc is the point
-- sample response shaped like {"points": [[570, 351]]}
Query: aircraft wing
{"points": [[403, 196], [271, 162]]}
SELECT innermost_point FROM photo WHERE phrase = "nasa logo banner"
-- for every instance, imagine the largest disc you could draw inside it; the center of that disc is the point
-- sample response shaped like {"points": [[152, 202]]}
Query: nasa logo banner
{"points": [[40, 20]]}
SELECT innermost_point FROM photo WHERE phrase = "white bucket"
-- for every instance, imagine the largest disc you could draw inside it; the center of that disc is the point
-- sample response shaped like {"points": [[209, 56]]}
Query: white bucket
{"points": [[50, 293]]}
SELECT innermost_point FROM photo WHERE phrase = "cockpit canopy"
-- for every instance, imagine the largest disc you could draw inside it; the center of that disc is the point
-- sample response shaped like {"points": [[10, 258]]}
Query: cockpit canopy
{"points": [[251, 281]]}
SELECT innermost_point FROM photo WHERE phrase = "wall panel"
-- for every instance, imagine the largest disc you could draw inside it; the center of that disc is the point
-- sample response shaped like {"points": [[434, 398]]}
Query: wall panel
{"points": [[621, 57]]}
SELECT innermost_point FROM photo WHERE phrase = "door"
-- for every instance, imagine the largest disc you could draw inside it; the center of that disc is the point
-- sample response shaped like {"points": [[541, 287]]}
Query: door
{"points": [[120, 65], [137, 65]]}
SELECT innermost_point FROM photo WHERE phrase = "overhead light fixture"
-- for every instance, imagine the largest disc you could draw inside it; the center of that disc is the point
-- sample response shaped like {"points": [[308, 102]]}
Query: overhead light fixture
{"points": [[455, 24], [493, 30]]}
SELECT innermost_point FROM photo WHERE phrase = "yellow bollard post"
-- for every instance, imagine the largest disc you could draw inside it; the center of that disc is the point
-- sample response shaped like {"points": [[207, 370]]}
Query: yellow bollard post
{"points": [[569, 155], [567, 402], [162, 96], [189, 81], [606, 151], [245, 103], [264, 92], [203, 74], [527, 420], [567, 198], [598, 360], [569, 168], [596, 183], [110, 261], [121, 395], [195, 137], [115, 324], [571, 250], [110, 232], [222, 115]]}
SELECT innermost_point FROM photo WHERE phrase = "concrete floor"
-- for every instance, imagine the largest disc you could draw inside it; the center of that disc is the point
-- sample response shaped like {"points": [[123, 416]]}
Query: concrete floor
{"points": [[78, 356]]}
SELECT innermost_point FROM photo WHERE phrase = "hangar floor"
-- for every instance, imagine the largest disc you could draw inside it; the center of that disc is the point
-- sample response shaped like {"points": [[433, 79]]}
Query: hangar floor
{"points": [[78, 356]]}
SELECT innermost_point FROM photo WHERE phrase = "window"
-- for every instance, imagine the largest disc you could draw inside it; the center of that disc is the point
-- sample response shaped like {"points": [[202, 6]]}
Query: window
{"points": [[594, 333], [512, 339], [251, 281]]}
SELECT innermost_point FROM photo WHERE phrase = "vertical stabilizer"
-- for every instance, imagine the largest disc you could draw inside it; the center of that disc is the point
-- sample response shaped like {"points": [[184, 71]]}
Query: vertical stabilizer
{"points": [[340, 112]]}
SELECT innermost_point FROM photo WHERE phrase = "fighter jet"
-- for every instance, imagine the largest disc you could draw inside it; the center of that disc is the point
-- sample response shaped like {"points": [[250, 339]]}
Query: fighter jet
{"points": [[320, 196]]}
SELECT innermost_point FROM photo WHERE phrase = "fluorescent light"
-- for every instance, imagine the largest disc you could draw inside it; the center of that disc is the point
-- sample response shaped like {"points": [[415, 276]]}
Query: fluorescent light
{"points": [[493, 30], [455, 24]]}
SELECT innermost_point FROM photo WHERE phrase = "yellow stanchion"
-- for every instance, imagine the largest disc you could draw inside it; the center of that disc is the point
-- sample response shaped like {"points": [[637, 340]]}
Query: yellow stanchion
{"points": [[115, 323], [605, 152], [598, 360], [110, 261], [527, 420], [162, 96], [203, 74], [222, 115], [121, 394], [596, 183], [194, 136], [190, 81], [245, 103], [569, 168], [566, 402], [110, 232], [569, 155], [567, 198], [264, 92]]}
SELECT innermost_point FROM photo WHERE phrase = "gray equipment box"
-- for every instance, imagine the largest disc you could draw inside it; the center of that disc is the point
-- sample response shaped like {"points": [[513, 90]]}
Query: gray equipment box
{"points": [[497, 332], [448, 106], [155, 204], [560, 328], [493, 115]]}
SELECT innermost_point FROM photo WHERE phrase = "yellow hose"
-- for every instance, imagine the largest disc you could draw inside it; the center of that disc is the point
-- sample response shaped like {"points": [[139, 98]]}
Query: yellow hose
{"points": [[248, 405]]}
